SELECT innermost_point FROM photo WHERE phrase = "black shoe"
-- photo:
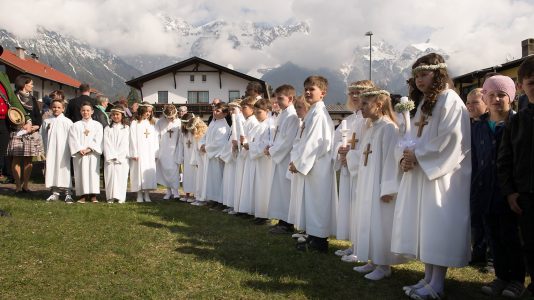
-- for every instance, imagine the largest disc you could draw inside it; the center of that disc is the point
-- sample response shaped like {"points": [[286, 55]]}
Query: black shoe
{"points": [[313, 244], [259, 221], [280, 230]]}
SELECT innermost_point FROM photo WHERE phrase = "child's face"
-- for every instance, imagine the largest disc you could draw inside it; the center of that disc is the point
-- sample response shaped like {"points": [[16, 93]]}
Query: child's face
{"points": [[145, 115], [527, 85], [475, 106], [116, 117], [424, 80], [301, 109], [313, 94], [149, 110], [57, 108], [354, 96], [87, 112], [247, 111], [218, 114], [261, 114], [371, 109], [283, 101], [497, 101]]}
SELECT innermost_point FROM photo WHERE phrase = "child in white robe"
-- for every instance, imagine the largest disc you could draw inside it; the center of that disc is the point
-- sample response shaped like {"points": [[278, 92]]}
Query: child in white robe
{"points": [[184, 155], [279, 150], [378, 177], [198, 129], [55, 131], [431, 220], [85, 143], [229, 157], [314, 161], [116, 151], [168, 168], [144, 146]]}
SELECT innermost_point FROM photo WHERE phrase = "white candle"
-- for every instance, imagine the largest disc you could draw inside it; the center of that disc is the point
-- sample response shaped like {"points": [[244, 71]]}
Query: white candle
{"points": [[234, 128], [344, 132], [406, 116]]}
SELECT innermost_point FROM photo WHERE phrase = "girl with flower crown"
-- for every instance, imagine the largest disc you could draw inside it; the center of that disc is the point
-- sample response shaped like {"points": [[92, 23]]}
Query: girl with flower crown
{"points": [[376, 186], [431, 220], [198, 129], [116, 151], [168, 168], [184, 156]]}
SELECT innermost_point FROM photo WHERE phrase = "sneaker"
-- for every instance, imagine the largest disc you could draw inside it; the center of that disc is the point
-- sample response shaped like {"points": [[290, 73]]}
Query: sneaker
{"points": [[110, 201], [494, 288], [232, 212], [349, 258], [191, 200], [379, 273], [365, 268], [68, 199], [198, 203], [514, 290], [340, 252], [298, 235], [226, 210], [53, 197]]}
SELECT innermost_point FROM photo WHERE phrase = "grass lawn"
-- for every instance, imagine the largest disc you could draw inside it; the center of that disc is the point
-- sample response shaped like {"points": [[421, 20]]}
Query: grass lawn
{"points": [[170, 250]]}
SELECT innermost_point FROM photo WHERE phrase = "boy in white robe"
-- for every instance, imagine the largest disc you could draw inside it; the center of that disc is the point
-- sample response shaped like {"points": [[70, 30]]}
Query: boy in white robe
{"points": [[314, 161], [184, 155], [55, 131], [116, 151], [229, 156], [85, 143], [144, 146], [279, 151], [212, 143], [432, 218], [168, 168]]}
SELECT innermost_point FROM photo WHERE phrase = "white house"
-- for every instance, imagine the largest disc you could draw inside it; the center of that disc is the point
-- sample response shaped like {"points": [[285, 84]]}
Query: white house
{"points": [[194, 80]]}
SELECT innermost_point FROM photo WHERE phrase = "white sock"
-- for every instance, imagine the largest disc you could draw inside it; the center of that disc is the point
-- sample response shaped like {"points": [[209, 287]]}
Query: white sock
{"points": [[428, 272], [438, 278]]}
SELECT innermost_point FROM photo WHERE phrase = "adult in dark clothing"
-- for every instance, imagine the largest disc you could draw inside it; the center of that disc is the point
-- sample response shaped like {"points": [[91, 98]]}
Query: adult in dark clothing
{"points": [[73, 108], [25, 141], [99, 113]]}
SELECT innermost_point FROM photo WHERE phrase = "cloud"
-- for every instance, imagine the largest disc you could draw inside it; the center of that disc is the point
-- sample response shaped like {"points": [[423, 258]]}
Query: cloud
{"points": [[476, 33]]}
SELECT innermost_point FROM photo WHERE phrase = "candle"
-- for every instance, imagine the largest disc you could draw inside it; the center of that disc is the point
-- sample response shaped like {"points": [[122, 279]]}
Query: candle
{"points": [[234, 128], [344, 132]]}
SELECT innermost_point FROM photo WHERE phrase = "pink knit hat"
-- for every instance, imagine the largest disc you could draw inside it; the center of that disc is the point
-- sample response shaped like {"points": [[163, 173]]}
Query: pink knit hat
{"points": [[500, 83]]}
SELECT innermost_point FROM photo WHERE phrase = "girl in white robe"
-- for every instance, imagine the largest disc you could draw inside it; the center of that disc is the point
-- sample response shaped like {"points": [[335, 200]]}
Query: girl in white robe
{"points": [[168, 168], [229, 157], [378, 177], [184, 155], [85, 143], [116, 151], [351, 128], [432, 218], [55, 131], [197, 128], [144, 145]]}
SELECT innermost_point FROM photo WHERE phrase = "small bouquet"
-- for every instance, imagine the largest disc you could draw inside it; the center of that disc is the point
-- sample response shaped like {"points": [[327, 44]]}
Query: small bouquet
{"points": [[404, 107]]}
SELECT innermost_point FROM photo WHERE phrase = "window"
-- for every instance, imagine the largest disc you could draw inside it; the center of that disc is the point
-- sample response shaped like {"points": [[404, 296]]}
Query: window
{"points": [[192, 78], [204, 78], [163, 97], [198, 97], [233, 95]]}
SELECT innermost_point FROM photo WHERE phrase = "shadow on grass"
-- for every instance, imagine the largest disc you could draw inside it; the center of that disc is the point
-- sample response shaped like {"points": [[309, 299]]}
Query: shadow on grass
{"points": [[235, 242]]}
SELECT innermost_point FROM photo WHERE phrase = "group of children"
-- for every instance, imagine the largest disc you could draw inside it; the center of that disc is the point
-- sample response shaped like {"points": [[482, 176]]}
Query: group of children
{"points": [[402, 194]]}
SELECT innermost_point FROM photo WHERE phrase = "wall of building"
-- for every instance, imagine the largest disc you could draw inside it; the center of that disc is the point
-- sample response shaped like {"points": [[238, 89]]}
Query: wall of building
{"points": [[45, 87], [179, 94]]}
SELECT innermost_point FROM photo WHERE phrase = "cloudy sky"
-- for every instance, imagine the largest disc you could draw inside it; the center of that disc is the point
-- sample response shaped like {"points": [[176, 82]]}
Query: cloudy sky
{"points": [[475, 33]]}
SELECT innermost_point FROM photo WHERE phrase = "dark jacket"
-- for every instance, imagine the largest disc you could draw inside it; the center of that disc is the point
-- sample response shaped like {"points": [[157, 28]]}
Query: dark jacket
{"points": [[515, 160], [99, 116], [73, 108], [486, 196]]}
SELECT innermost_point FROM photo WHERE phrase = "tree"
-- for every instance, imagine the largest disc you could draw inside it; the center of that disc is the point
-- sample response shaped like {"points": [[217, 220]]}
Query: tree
{"points": [[133, 96]]}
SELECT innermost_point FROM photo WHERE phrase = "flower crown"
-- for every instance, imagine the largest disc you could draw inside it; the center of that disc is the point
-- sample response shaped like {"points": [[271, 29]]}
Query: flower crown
{"points": [[374, 93], [359, 87], [429, 67], [146, 105], [172, 115], [185, 121], [194, 124], [119, 110]]}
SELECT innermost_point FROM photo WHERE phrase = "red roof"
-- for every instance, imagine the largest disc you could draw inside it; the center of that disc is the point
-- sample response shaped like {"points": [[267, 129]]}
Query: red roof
{"points": [[36, 68]]}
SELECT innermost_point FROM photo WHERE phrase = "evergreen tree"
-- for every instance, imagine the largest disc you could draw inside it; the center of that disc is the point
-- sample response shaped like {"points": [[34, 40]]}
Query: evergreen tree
{"points": [[133, 96]]}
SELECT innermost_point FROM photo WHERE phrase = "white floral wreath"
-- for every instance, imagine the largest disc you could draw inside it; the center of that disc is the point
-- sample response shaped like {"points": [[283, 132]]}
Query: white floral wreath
{"points": [[429, 67], [359, 87], [374, 93]]}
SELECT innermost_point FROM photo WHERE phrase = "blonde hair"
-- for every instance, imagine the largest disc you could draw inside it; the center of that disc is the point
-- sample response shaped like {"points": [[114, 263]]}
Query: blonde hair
{"points": [[318, 81], [385, 100], [197, 127], [475, 93], [362, 85]]}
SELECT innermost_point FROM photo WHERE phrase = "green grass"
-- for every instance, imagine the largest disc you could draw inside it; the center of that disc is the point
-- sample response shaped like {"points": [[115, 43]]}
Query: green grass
{"points": [[173, 250]]}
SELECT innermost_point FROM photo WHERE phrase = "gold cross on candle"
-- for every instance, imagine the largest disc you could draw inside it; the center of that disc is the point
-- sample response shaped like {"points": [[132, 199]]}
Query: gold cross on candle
{"points": [[353, 141], [188, 144], [86, 132], [146, 133], [302, 129], [366, 153], [422, 122]]}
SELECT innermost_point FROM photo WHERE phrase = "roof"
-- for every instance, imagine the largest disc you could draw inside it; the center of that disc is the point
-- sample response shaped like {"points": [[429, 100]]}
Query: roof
{"points": [[482, 72], [338, 108], [138, 82], [36, 68]]}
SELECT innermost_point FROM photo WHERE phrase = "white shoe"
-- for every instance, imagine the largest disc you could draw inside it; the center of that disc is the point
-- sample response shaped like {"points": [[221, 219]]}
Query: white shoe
{"points": [[347, 251], [110, 201], [232, 212], [68, 199], [301, 239], [139, 197], [198, 203], [379, 273], [191, 200], [168, 195], [147, 197], [53, 197], [349, 258], [365, 269], [298, 235]]}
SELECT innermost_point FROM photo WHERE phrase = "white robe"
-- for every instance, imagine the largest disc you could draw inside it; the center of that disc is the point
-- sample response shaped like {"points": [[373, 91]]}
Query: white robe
{"points": [[229, 159], [296, 212], [246, 196], [347, 183], [285, 132], [144, 145], [55, 132], [432, 219], [214, 141], [377, 178], [198, 160], [116, 164], [82, 135], [314, 161], [167, 166], [184, 154], [262, 176], [239, 160], [243, 166]]}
